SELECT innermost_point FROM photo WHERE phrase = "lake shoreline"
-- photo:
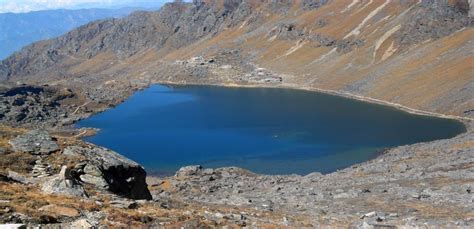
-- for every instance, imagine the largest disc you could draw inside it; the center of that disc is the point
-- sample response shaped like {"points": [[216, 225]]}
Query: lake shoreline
{"points": [[328, 92], [160, 173], [465, 120]]}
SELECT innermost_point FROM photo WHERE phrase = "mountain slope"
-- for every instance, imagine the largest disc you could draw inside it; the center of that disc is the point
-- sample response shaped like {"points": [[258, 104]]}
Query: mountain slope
{"points": [[22, 29], [417, 54]]}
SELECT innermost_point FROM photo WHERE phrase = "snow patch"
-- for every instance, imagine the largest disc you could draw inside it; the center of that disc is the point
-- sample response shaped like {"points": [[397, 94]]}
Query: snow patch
{"points": [[272, 38], [324, 56], [243, 24], [365, 6], [384, 37], [298, 45], [356, 31], [350, 5], [389, 52]]}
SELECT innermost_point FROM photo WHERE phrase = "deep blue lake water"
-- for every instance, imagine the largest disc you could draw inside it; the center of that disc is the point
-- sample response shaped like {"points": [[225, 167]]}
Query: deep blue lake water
{"points": [[265, 130]]}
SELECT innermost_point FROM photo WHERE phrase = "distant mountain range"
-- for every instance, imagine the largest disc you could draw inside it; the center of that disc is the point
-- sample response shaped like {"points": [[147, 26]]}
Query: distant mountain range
{"points": [[148, 4], [20, 29]]}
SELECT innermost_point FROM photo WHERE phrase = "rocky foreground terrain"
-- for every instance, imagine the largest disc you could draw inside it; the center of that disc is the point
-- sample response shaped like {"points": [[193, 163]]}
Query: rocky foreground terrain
{"points": [[414, 55]]}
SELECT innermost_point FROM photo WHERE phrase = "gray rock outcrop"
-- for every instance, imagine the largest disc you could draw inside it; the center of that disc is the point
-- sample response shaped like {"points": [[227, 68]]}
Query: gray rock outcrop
{"points": [[412, 174], [435, 19], [14, 176], [188, 171], [35, 106], [34, 142], [108, 170], [64, 184], [313, 4]]}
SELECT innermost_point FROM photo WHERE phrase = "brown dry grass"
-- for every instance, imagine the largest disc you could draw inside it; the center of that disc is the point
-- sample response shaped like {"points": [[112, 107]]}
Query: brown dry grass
{"points": [[28, 199], [7, 132], [18, 162], [23, 162], [469, 144]]}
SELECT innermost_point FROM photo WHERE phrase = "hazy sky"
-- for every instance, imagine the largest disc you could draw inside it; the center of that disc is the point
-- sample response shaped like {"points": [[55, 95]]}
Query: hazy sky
{"points": [[17, 6]]}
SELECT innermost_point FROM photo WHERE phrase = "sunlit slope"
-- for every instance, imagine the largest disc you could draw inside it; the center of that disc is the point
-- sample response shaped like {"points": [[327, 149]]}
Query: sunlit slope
{"points": [[414, 53]]}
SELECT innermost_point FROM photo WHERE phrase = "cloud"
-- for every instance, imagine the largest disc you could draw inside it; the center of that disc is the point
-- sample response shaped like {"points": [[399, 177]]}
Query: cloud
{"points": [[17, 6]]}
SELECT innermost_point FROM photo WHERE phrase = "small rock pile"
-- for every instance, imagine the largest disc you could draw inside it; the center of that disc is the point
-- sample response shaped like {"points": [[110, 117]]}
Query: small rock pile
{"points": [[41, 169]]}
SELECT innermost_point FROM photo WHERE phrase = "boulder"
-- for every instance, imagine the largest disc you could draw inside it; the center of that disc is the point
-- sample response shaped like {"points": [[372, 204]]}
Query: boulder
{"points": [[35, 142], [126, 204], [19, 177], [91, 174], [109, 170], [63, 184], [188, 171], [97, 181], [69, 151], [13, 226], [81, 223], [92, 170]]}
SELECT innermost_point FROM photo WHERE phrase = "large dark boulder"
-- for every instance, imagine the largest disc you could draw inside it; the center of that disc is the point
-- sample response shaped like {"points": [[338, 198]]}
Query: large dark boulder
{"points": [[109, 170]]}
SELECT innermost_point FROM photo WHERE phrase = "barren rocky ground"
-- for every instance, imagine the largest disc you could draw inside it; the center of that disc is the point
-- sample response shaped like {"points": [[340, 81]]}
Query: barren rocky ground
{"points": [[416, 56]]}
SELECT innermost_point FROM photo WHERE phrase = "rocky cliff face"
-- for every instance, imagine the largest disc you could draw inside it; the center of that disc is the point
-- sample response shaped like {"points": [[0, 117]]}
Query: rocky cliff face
{"points": [[395, 51], [91, 165], [110, 171]]}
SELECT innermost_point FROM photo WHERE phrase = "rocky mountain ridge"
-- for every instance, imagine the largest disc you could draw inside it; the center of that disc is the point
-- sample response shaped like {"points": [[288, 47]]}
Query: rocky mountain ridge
{"points": [[387, 50], [20, 29]]}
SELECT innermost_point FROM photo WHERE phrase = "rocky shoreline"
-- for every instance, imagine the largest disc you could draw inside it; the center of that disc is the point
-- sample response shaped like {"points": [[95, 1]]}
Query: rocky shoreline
{"points": [[464, 119], [406, 185]]}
